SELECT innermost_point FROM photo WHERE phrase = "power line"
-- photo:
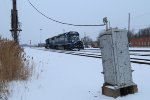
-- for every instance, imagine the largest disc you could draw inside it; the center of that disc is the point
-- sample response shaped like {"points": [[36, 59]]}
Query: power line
{"points": [[60, 22]]}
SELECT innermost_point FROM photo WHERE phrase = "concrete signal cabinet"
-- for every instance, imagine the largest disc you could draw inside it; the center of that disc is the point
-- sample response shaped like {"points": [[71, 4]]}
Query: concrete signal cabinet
{"points": [[116, 63]]}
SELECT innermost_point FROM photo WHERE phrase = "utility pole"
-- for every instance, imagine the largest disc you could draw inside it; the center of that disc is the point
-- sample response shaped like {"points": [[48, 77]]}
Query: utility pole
{"points": [[15, 26], [40, 35], [129, 23], [128, 34]]}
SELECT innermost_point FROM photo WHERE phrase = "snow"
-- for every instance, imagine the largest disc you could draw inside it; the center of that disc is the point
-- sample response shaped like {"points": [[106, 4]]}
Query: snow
{"points": [[139, 48], [61, 76], [130, 48]]}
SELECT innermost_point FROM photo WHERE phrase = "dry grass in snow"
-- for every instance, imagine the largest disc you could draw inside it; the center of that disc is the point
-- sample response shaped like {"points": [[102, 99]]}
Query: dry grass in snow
{"points": [[13, 64]]}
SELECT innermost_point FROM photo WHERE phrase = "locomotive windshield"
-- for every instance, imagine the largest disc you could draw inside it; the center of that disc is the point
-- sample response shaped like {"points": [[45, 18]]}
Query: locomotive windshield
{"points": [[74, 38]]}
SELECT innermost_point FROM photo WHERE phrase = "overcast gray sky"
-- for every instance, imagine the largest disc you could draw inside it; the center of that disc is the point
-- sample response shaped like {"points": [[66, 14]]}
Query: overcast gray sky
{"points": [[72, 11]]}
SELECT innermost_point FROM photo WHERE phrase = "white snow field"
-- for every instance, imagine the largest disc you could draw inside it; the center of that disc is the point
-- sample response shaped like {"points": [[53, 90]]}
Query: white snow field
{"points": [[61, 76]]}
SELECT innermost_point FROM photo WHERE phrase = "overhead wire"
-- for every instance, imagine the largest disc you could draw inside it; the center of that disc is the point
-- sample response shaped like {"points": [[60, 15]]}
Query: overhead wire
{"points": [[60, 22]]}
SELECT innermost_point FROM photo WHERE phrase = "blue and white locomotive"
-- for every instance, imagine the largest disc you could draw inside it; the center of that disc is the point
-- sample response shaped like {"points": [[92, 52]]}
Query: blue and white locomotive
{"points": [[67, 41]]}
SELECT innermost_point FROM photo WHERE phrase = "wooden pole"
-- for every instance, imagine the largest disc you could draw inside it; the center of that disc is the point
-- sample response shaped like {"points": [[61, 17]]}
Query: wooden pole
{"points": [[14, 22]]}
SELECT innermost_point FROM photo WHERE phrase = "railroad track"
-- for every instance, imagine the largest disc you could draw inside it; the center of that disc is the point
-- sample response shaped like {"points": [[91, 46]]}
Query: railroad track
{"points": [[133, 60], [140, 50]]}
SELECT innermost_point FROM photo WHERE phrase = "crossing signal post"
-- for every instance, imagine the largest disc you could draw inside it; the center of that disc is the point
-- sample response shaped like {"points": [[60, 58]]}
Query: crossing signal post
{"points": [[15, 26]]}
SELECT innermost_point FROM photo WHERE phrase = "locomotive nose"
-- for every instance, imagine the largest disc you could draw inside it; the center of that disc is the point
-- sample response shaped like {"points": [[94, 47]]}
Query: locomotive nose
{"points": [[79, 45]]}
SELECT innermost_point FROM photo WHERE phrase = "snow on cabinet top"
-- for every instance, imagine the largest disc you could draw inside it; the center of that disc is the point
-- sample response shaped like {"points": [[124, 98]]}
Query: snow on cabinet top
{"points": [[111, 31]]}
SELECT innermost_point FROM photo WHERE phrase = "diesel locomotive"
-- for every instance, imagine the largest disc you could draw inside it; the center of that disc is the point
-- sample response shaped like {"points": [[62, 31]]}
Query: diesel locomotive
{"points": [[67, 41]]}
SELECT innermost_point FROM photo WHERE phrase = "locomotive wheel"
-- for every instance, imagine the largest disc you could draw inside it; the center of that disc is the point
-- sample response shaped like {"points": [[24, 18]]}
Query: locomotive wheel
{"points": [[64, 47], [68, 47]]}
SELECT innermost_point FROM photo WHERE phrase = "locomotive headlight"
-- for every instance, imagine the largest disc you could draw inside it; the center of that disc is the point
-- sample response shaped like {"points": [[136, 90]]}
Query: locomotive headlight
{"points": [[72, 40]]}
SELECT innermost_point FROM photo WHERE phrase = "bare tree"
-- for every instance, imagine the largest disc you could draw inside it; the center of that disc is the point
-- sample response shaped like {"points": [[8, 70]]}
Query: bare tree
{"points": [[142, 33], [86, 41]]}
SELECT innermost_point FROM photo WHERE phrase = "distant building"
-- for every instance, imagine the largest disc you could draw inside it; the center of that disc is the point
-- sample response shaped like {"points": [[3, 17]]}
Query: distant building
{"points": [[140, 42], [95, 44]]}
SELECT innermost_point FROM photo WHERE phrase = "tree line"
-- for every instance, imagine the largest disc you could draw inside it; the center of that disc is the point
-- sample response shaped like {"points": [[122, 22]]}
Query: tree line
{"points": [[145, 32]]}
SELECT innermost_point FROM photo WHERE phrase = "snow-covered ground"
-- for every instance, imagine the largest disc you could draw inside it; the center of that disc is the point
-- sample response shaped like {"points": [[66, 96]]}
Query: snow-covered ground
{"points": [[139, 48], [60, 76]]}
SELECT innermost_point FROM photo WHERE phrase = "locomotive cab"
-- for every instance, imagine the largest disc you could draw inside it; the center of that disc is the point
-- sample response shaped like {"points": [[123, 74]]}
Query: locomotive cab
{"points": [[74, 41], [73, 36]]}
